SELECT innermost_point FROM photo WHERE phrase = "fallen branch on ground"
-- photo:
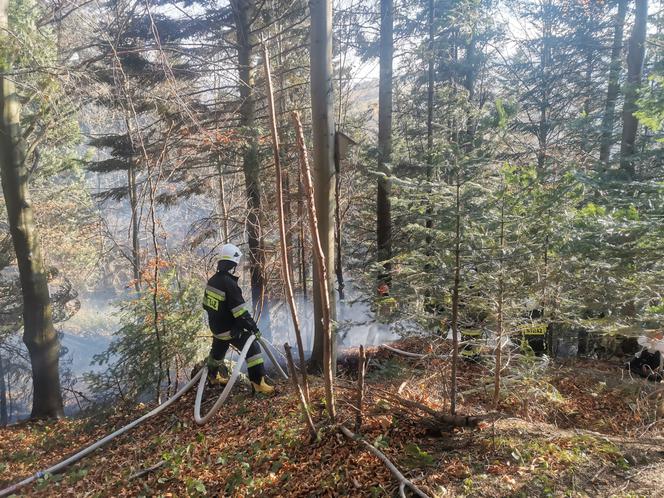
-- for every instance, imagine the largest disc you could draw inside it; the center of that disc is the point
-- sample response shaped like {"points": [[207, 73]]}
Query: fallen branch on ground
{"points": [[439, 417], [403, 353], [403, 481], [143, 472]]}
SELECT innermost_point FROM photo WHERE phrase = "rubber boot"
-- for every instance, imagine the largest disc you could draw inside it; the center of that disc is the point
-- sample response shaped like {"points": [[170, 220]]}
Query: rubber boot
{"points": [[217, 372], [216, 379], [263, 387]]}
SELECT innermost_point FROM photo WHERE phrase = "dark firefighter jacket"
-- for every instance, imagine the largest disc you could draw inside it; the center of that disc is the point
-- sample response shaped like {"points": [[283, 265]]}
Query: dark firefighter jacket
{"points": [[228, 314]]}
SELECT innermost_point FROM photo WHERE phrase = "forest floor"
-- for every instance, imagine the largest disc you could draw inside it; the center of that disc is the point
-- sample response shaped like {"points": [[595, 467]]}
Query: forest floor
{"points": [[579, 429]]}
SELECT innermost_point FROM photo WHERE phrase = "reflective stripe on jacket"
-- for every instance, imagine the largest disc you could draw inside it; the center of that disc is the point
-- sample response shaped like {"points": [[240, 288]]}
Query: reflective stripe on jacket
{"points": [[225, 306]]}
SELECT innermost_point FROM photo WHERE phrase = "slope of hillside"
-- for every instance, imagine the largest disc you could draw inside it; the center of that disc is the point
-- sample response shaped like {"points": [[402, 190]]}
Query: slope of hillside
{"points": [[580, 430]]}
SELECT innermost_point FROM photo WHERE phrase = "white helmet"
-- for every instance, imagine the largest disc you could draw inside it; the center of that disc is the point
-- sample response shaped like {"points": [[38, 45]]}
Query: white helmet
{"points": [[230, 252]]}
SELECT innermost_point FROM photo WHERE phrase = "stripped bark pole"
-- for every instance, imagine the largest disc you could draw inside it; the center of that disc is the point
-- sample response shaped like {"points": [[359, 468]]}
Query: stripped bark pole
{"points": [[283, 237], [360, 389], [300, 394], [321, 265]]}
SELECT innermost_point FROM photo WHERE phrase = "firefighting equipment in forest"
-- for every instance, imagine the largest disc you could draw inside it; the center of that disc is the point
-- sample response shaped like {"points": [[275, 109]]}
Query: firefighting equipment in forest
{"points": [[217, 374], [472, 347], [262, 387], [532, 337], [228, 313], [201, 419], [230, 252]]}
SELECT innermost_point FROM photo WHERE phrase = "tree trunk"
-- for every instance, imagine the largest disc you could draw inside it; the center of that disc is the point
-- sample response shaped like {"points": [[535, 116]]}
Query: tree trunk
{"points": [[428, 223], [545, 58], [455, 297], [133, 206], [303, 241], [501, 295], [338, 262], [322, 115], [383, 207], [39, 335], [635, 57], [4, 417], [222, 205], [614, 85], [283, 238], [323, 276], [469, 85], [244, 11]]}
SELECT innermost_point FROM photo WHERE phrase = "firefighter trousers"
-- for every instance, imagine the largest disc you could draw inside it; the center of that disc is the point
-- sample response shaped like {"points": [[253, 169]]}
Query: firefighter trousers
{"points": [[220, 344]]}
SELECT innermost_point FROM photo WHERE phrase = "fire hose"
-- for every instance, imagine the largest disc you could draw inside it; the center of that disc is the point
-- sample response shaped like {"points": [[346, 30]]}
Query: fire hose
{"points": [[200, 420], [200, 377]]}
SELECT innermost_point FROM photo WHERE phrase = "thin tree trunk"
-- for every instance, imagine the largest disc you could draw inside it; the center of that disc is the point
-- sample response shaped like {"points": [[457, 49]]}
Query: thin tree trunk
{"points": [[587, 100], [244, 12], [282, 123], [285, 264], [545, 57], [321, 265], [360, 389], [301, 236], [4, 417], [298, 390], [501, 292], [338, 263], [469, 85], [614, 85], [39, 334], [322, 115], [455, 297], [135, 222], [383, 204], [222, 205], [428, 223], [635, 58]]}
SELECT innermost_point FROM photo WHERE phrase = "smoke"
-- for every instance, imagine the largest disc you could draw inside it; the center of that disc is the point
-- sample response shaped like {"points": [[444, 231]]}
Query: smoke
{"points": [[356, 323]]}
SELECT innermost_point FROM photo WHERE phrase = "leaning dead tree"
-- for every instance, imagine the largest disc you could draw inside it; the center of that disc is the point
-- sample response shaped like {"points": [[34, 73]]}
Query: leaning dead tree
{"points": [[321, 266], [283, 238]]}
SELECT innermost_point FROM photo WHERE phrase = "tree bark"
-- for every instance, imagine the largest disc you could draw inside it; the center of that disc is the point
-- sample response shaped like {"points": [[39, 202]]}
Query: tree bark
{"points": [[501, 295], [455, 298], [222, 205], [320, 263], [338, 263], [302, 239], [545, 58], [133, 205], [322, 115], [283, 237], [428, 223], [244, 11], [361, 367], [4, 417], [39, 335], [298, 390], [613, 89], [635, 58], [383, 204]]}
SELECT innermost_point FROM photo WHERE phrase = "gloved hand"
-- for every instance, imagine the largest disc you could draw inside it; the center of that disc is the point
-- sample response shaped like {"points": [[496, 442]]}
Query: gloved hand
{"points": [[257, 333]]}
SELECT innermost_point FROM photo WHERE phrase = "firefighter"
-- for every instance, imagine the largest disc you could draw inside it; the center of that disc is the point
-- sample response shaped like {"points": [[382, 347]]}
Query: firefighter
{"points": [[231, 323]]}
